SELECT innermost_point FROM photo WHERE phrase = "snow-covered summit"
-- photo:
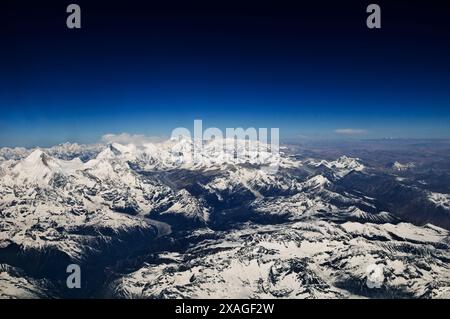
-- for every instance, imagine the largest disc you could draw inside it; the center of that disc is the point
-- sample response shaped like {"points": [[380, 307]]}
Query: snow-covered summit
{"points": [[40, 168], [340, 167], [402, 167]]}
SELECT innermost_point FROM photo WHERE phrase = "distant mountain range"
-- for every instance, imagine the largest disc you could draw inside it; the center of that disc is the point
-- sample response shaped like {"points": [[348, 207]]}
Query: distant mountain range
{"points": [[145, 221]]}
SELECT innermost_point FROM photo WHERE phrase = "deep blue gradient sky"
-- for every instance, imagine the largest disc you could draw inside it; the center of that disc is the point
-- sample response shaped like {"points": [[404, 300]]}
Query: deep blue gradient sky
{"points": [[147, 68]]}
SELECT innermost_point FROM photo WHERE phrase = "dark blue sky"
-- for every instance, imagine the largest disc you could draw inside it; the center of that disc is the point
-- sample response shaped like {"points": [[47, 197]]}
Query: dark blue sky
{"points": [[146, 68]]}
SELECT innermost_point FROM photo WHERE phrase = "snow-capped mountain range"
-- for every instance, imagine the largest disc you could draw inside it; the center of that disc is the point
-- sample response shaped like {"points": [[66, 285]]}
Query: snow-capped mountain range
{"points": [[148, 221]]}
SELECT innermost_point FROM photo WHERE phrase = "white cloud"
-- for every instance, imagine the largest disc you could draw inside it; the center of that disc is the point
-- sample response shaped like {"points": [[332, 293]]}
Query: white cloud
{"points": [[126, 138], [350, 131]]}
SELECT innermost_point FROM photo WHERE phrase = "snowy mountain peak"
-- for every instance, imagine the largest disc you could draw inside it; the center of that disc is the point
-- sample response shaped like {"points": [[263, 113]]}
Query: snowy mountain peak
{"points": [[39, 168], [35, 168], [348, 162], [107, 153], [402, 167], [317, 181], [39, 158], [35, 157], [339, 167]]}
